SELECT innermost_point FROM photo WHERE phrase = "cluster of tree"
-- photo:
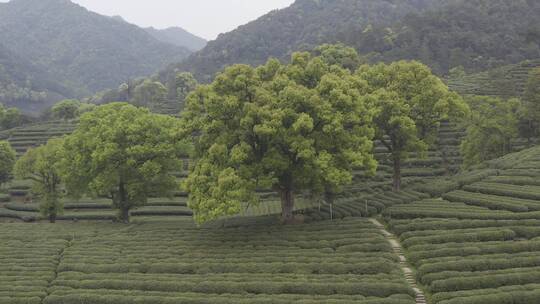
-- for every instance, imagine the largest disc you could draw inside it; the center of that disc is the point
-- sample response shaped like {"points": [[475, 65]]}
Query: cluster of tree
{"points": [[304, 126], [118, 151], [69, 109], [164, 96], [475, 34], [86, 52], [10, 117], [494, 122], [297, 127]]}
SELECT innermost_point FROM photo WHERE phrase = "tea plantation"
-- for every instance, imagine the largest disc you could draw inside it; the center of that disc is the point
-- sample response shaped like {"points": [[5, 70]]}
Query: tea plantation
{"points": [[471, 238], [478, 244], [174, 262]]}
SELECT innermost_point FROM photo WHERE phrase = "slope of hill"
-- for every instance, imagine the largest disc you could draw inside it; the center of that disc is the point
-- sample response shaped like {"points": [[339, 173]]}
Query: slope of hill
{"points": [[65, 49], [179, 37], [303, 25], [506, 81], [476, 34], [479, 243]]}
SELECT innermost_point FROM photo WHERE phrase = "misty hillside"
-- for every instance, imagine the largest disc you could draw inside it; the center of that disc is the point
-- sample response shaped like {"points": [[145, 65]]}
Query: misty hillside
{"points": [[62, 45], [476, 34], [179, 37]]}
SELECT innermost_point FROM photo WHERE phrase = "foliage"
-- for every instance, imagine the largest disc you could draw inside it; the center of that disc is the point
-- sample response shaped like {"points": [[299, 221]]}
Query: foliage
{"points": [[41, 165], [410, 102], [10, 117], [66, 109], [7, 161], [165, 96], [292, 128], [124, 153], [184, 83], [491, 125], [150, 94]]}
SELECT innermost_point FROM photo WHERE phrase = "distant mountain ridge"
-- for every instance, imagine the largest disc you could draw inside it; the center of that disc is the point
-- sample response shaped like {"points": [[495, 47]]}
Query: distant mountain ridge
{"points": [[475, 34], [302, 26], [65, 50], [179, 37]]}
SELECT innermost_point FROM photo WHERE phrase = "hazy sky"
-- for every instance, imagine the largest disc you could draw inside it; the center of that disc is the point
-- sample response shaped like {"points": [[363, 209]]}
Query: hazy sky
{"points": [[206, 18]]}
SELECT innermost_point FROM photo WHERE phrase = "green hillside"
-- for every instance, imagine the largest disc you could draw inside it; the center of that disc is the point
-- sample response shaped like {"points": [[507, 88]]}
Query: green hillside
{"points": [[477, 35], [302, 26], [479, 242], [476, 244], [506, 81]]}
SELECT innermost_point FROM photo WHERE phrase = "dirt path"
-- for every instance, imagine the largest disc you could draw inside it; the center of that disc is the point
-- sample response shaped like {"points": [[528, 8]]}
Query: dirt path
{"points": [[403, 264]]}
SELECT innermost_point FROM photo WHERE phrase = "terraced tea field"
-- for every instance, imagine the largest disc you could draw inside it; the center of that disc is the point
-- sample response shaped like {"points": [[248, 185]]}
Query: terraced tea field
{"points": [[480, 244], [341, 261], [23, 138]]}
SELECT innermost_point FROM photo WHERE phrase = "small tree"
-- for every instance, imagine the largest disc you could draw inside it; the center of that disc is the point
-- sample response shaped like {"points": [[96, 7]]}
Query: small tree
{"points": [[10, 117], [412, 100], [7, 161], [185, 83], [150, 94], [531, 100], [125, 153], [66, 109], [491, 126], [41, 165], [291, 128]]}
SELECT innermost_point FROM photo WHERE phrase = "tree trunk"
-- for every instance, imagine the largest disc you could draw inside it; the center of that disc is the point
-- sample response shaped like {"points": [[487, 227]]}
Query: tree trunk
{"points": [[123, 204], [397, 173], [52, 218], [124, 215], [287, 206]]}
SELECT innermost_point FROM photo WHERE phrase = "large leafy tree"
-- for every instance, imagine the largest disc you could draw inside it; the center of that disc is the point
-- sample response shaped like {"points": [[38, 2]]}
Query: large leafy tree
{"points": [[7, 160], [491, 126], [411, 103], [292, 128], [151, 94], [125, 153], [41, 165]]}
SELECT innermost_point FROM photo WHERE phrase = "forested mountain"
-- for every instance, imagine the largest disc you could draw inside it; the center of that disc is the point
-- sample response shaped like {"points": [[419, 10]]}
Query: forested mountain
{"points": [[179, 37], [476, 34], [57, 47], [303, 25]]}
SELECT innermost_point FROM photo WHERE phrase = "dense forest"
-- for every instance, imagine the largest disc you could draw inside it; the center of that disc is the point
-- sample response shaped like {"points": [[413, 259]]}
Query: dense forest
{"points": [[475, 34], [54, 48]]}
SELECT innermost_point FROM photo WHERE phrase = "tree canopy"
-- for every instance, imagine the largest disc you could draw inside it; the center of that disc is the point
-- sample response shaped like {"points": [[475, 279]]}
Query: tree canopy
{"points": [[291, 128], [10, 117], [125, 153], [492, 123], [42, 166], [411, 102], [7, 161]]}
